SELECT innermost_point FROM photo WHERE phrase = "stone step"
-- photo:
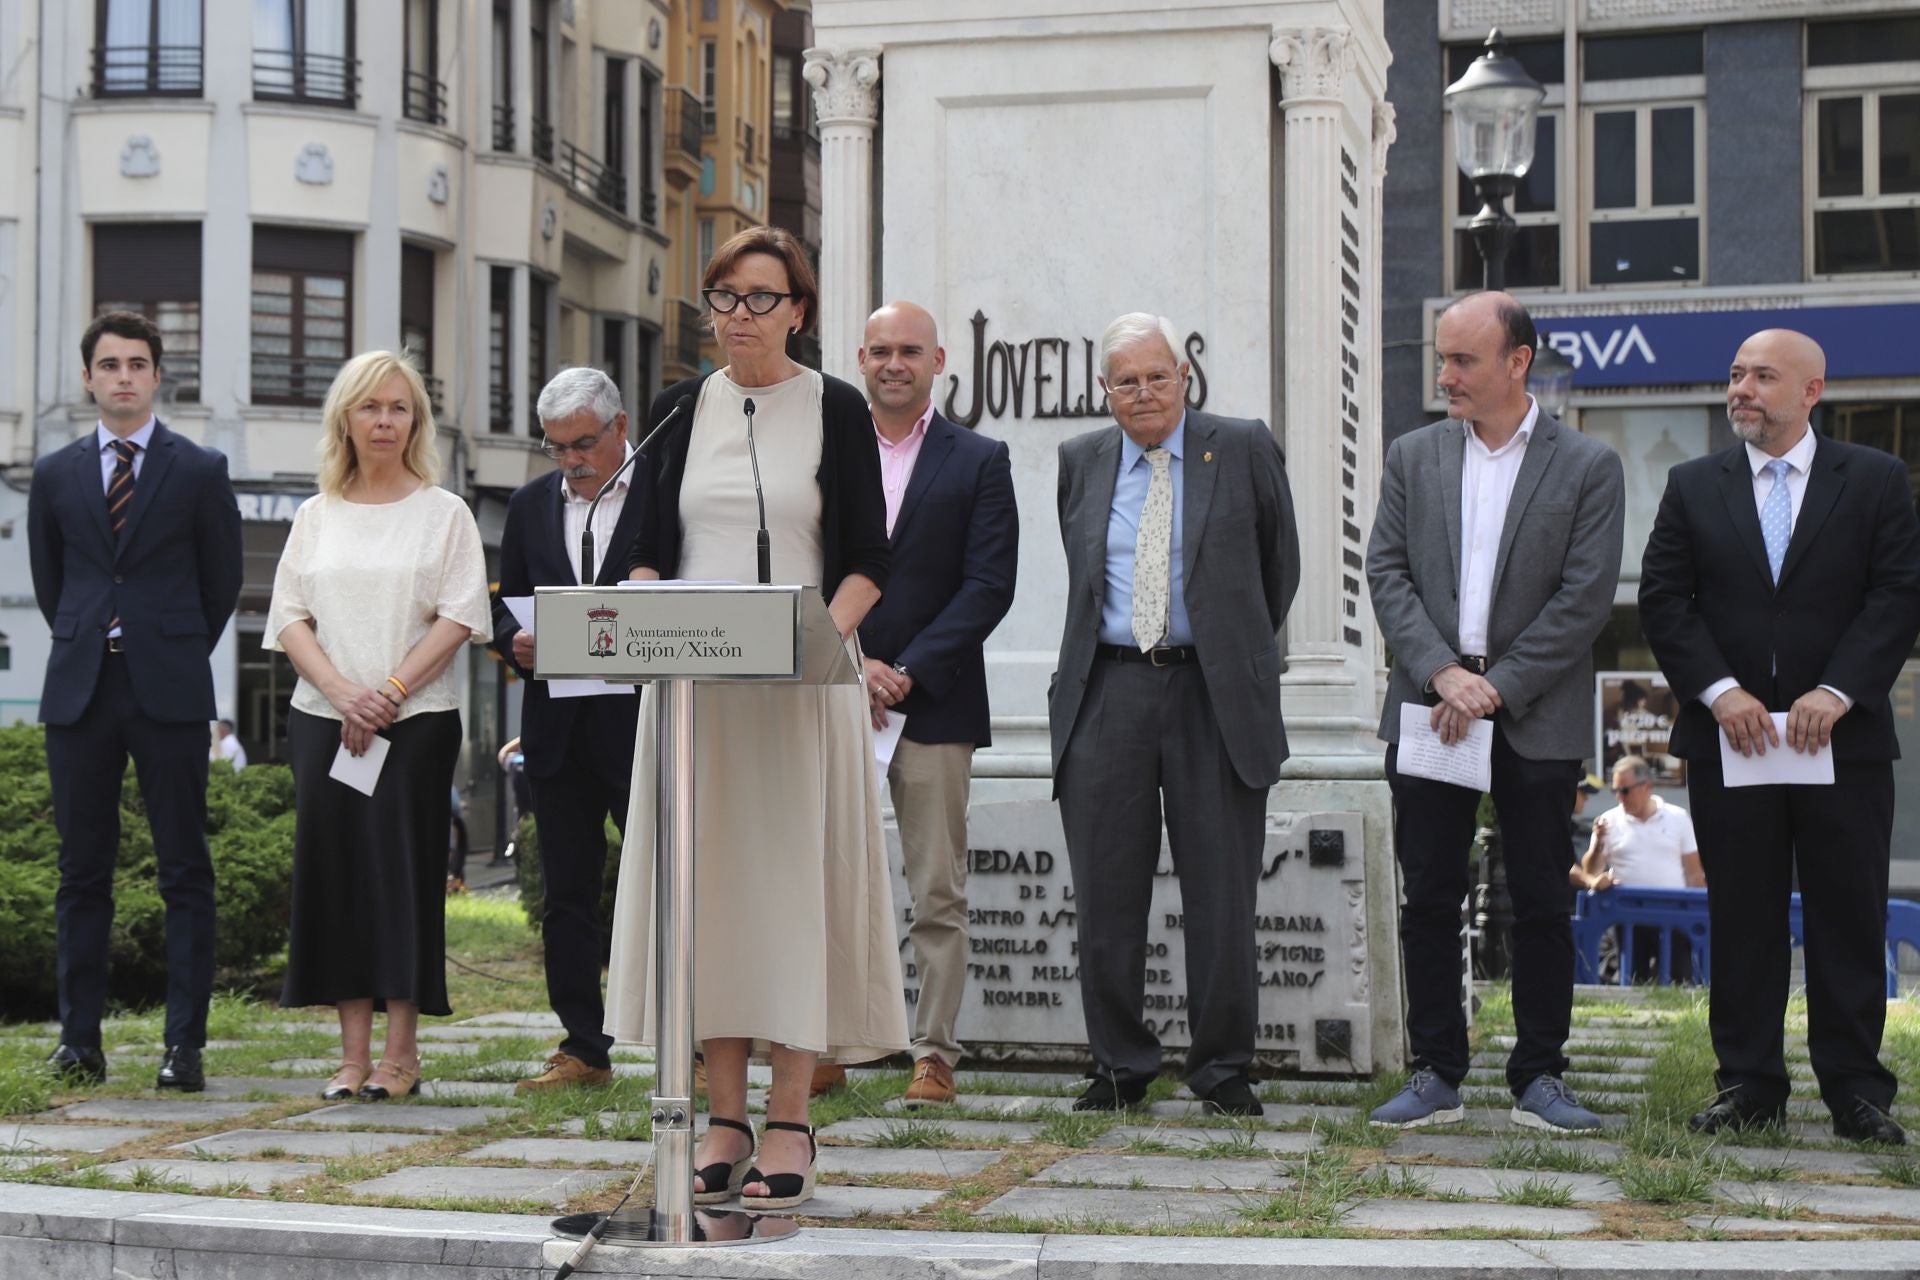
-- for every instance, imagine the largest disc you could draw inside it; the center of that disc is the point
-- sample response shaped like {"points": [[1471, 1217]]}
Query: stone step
{"points": [[1431, 1215], [456, 1182], [208, 1175], [831, 1201]]}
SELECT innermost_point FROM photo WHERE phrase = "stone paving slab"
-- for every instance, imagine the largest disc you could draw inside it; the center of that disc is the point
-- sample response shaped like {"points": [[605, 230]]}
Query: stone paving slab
{"points": [[1499, 1119], [537, 1020], [466, 1031], [997, 1104], [1176, 1172], [882, 1162], [500, 1090], [1132, 1208], [1734, 1225], [293, 1142], [875, 1128], [565, 1151], [157, 1110], [1427, 1215], [1849, 1163], [1190, 1109], [454, 1182], [608, 1120], [26, 1139], [320, 1068], [11, 1163], [857, 1202], [1425, 1143], [1632, 1082], [1596, 1100], [255, 1175], [1172, 1136], [1056, 1082], [1834, 1201], [1491, 1184], [1495, 1061], [427, 1119], [220, 1088]]}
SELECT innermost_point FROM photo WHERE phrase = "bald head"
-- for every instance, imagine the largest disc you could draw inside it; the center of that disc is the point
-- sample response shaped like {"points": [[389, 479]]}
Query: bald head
{"points": [[1776, 378], [1484, 345], [899, 359]]}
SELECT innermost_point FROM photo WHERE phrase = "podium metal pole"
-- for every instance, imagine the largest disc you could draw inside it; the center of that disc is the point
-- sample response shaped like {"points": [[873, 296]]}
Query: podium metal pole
{"points": [[673, 1106]]}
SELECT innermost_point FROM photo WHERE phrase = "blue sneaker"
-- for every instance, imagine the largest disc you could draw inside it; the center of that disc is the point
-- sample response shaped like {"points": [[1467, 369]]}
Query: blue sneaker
{"points": [[1549, 1104], [1427, 1099]]}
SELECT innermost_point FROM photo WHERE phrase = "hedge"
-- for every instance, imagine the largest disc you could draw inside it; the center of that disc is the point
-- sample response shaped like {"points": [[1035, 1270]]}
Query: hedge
{"points": [[532, 883], [250, 834]]}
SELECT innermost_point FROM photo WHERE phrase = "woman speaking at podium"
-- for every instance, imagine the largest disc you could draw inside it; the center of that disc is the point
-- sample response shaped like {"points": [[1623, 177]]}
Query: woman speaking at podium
{"points": [[795, 957]]}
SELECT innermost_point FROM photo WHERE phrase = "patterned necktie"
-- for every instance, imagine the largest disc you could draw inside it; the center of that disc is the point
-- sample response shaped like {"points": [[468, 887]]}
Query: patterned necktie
{"points": [[1152, 597], [1776, 517], [120, 496]]}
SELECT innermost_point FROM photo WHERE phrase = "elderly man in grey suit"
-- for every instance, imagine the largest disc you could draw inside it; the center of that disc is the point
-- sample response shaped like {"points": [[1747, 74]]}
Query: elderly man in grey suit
{"points": [[1182, 558], [1493, 562]]}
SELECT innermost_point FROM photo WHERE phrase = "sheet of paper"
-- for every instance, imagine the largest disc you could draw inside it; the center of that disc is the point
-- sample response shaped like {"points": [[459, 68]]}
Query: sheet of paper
{"points": [[521, 607], [886, 741], [585, 688], [361, 772], [1467, 763], [1781, 764]]}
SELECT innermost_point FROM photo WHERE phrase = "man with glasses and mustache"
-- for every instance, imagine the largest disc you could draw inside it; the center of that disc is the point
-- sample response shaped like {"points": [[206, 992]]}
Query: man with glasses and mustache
{"points": [[579, 751], [1783, 576], [1182, 559], [1645, 842]]}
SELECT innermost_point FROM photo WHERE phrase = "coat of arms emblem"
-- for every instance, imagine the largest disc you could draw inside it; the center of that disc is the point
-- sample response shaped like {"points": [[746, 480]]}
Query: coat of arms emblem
{"points": [[600, 631]]}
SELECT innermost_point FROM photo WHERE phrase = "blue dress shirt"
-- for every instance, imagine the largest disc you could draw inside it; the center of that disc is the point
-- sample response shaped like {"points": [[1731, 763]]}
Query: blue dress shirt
{"points": [[1123, 535]]}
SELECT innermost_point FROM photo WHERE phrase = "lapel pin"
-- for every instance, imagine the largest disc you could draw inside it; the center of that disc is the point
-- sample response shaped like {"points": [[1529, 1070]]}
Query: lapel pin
{"points": [[1206, 457]]}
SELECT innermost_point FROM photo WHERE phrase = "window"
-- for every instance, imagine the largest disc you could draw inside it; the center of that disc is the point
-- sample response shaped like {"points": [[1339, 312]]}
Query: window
{"points": [[542, 102], [1533, 262], [1544, 60], [1642, 57], [500, 350], [502, 75], [1863, 144], [613, 354], [303, 51], [706, 242], [416, 316], [155, 269], [649, 152], [425, 96], [709, 83], [1650, 442], [302, 313], [539, 299], [1646, 178], [148, 48]]}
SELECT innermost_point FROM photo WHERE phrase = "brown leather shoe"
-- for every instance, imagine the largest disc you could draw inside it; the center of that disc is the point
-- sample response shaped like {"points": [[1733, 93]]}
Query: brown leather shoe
{"points": [[932, 1083], [565, 1070], [826, 1076], [391, 1079]]}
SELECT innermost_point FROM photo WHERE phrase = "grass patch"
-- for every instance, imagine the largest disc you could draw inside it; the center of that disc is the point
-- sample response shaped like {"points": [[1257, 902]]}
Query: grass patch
{"points": [[1545, 1153], [1665, 1181], [1538, 1193], [914, 1133], [1901, 1172], [1075, 1128]]}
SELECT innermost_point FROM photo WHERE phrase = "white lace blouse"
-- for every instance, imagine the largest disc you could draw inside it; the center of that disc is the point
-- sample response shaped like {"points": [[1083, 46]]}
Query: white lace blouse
{"points": [[372, 579]]}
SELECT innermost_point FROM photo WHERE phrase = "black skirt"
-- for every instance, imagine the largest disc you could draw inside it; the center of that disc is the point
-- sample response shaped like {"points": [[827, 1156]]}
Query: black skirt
{"points": [[369, 872]]}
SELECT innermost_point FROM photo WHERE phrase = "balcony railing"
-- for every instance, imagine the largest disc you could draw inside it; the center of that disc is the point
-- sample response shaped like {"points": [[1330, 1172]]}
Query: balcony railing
{"points": [[686, 338], [542, 140], [425, 99], [292, 76], [280, 380], [588, 176], [746, 141], [147, 71], [503, 126], [499, 406], [650, 206], [683, 122], [787, 131]]}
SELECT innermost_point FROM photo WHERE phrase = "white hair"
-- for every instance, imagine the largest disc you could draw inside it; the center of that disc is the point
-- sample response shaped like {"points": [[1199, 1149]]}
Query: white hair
{"points": [[572, 390], [1136, 326]]}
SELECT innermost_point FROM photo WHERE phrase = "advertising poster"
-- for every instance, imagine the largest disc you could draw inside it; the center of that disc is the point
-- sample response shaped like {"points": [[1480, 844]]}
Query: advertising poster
{"points": [[1636, 711]]}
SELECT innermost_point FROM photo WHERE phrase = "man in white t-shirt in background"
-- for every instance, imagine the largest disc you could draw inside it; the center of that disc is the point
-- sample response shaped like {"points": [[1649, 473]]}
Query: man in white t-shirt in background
{"points": [[226, 745], [1645, 842]]}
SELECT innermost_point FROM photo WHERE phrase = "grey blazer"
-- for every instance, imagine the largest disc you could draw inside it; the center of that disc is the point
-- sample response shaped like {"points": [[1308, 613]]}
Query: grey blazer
{"points": [[1240, 557], [1553, 580]]}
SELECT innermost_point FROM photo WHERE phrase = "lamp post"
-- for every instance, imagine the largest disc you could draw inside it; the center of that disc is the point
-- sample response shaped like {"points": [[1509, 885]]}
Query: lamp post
{"points": [[1494, 107]]}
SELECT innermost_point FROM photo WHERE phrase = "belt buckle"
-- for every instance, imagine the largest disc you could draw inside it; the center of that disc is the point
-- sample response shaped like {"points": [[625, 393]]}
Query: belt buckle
{"points": [[1153, 655], [1474, 662], [116, 644]]}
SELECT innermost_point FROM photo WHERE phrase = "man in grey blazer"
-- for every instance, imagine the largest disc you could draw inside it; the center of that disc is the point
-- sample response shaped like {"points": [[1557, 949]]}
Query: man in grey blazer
{"points": [[1182, 558], [1493, 562]]}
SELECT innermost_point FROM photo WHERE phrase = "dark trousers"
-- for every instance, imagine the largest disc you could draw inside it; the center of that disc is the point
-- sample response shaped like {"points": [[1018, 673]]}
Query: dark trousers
{"points": [[1147, 735], [86, 761], [570, 810], [1752, 839], [1433, 830]]}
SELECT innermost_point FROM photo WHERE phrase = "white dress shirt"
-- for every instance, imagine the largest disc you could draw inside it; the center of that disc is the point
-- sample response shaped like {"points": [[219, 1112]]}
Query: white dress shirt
{"points": [[575, 518], [1486, 483], [103, 441], [1799, 460]]}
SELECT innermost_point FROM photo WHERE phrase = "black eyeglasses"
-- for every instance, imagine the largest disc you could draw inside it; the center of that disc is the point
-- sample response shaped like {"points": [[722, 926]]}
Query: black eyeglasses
{"points": [[557, 449], [1620, 791], [759, 302]]}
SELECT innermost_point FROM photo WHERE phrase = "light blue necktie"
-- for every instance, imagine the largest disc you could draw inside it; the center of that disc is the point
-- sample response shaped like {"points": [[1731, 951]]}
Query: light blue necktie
{"points": [[1776, 517]]}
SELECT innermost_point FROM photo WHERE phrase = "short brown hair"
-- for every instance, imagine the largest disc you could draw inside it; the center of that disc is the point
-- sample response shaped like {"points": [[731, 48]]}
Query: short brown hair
{"points": [[121, 324], [775, 242]]}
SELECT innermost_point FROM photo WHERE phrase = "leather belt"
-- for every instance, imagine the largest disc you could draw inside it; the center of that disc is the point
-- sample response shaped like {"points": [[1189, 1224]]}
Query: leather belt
{"points": [[1474, 662], [1167, 655], [116, 644]]}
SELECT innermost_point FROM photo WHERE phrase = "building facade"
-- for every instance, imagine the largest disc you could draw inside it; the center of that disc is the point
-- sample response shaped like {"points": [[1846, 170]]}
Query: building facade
{"points": [[1703, 170]]}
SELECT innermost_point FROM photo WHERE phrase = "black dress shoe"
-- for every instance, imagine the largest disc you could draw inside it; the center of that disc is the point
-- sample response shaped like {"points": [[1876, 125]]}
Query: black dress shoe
{"points": [[181, 1069], [1733, 1111], [78, 1066], [1233, 1097], [1109, 1094], [1864, 1122]]}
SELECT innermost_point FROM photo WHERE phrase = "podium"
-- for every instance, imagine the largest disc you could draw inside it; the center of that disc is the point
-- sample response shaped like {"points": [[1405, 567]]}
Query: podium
{"points": [[675, 635]]}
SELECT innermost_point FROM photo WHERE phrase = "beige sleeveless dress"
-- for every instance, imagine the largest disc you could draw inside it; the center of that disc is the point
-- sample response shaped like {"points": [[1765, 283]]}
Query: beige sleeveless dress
{"points": [[794, 936]]}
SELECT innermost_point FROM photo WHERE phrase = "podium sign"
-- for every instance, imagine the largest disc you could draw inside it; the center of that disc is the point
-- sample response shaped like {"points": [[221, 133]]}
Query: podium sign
{"points": [[669, 631]]}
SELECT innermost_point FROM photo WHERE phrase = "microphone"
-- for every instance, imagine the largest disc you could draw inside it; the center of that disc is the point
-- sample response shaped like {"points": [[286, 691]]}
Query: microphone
{"points": [[765, 545], [586, 534]]}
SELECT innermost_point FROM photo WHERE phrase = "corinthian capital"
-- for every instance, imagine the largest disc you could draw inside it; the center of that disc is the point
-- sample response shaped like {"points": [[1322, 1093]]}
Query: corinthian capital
{"points": [[1312, 61], [846, 84]]}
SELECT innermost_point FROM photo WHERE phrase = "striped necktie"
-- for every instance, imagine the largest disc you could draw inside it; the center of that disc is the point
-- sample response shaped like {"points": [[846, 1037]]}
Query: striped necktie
{"points": [[120, 496]]}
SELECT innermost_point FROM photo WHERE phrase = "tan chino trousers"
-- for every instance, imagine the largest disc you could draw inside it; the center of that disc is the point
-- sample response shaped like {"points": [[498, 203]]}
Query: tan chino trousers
{"points": [[929, 784]]}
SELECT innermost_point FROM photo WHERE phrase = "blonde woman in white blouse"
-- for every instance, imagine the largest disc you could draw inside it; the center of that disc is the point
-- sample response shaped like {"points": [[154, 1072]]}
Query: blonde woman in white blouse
{"points": [[382, 580]]}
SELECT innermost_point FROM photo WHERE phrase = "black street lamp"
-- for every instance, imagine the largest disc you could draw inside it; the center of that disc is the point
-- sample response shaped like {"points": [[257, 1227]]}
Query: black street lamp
{"points": [[1494, 107]]}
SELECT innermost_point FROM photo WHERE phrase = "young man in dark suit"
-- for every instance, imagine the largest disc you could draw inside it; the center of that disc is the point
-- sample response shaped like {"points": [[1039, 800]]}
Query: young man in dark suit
{"points": [[579, 751], [1783, 575], [955, 536], [134, 538]]}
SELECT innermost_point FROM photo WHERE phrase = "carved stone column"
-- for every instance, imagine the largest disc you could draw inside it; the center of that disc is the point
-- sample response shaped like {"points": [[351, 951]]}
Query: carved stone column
{"points": [[846, 98], [1374, 450]]}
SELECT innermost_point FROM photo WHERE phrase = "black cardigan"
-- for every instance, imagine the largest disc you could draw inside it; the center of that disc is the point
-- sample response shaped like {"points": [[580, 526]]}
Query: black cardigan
{"points": [[853, 509]]}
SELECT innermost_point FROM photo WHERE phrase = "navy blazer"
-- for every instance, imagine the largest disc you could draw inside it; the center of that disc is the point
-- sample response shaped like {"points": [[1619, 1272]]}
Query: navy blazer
{"points": [[955, 548], [534, 553], [172, 576], [1845, 611]]}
